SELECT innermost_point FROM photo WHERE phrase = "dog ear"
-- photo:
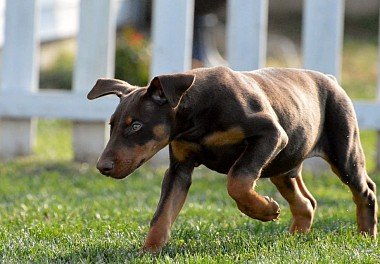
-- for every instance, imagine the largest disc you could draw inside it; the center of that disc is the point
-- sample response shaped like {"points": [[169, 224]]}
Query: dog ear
{"points": [[170, 88], [110, 86]]}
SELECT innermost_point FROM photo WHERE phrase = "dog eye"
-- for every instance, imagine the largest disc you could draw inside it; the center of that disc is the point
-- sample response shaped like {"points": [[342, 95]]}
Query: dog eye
{"points": [[136, 126]]}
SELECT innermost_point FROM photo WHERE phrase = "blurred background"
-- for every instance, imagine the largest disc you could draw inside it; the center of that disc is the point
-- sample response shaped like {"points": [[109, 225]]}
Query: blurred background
{"points": [[59, 24], [60, 18]]}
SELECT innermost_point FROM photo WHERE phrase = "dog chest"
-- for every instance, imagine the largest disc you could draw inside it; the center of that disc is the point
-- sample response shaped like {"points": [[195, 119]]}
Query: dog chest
{"points": [[218, 157]]}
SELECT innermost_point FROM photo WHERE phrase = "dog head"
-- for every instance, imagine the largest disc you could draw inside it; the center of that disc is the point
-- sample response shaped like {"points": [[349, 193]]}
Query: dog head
{"points": [[141, 123]]}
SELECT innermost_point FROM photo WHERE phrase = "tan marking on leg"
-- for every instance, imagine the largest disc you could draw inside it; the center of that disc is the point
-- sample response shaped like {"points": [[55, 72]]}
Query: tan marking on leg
{"points": [[182, 149], [250, 202], [159, 232], [366, 211], [305, 192], [229, 137], [300, 206], [158, 235], [366, 202]]}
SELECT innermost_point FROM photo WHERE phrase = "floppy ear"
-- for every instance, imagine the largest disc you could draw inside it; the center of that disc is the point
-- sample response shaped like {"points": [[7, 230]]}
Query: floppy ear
{"points": [[110, 86], [170, 88]]}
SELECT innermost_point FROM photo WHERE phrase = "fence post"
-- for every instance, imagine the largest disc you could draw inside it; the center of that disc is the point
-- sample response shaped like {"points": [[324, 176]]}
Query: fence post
{"points": [[172, 31], [322, 38], [247, 33], [19, 73], [323, 35], [378, 99], [95, 59]]}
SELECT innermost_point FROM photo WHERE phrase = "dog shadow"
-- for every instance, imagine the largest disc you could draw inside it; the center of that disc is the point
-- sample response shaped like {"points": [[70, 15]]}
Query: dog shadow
{"points": [[116, 254], [98, 254]]}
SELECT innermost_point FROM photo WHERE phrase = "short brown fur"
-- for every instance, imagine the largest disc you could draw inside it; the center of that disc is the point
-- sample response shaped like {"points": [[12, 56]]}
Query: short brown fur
{"points": [[247, 125]]}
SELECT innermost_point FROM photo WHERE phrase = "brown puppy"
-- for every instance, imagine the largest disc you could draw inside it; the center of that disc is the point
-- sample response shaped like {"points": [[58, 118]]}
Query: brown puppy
{"points": [[248, 125]]}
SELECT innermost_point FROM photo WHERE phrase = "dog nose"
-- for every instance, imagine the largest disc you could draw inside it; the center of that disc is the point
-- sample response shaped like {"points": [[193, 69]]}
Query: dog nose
{"points": [[105, 167]]}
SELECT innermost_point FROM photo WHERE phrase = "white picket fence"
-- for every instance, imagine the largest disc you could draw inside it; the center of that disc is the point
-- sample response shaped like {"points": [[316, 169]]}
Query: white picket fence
{"points": [[21, 102]]}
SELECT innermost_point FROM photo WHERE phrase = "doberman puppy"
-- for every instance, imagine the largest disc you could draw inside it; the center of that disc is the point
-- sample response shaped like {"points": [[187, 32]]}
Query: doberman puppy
{"points": [[248, 125]]}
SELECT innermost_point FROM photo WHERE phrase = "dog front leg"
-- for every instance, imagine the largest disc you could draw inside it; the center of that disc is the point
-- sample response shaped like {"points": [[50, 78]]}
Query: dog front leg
{"points": [[175, 186], [247, 169]]}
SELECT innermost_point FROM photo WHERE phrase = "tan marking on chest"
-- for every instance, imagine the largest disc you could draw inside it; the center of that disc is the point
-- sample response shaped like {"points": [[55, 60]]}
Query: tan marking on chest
{"points": [[220, 138], [182, 149], [161, 132]]}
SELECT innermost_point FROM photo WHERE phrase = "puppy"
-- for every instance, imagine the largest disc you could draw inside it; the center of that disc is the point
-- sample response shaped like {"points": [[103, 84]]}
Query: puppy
{"points": [[248, 125]]}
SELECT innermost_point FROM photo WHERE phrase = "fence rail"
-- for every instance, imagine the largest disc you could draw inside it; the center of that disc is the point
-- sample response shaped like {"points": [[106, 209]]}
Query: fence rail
{"points": [[21, 101]]}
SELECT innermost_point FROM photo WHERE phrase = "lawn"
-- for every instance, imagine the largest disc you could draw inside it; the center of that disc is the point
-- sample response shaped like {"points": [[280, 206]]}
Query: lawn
{"points": [[54, 210]]}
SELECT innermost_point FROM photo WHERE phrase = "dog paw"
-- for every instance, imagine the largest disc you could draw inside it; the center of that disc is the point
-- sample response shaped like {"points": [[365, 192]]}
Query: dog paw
{"points": [[273, 210], [150, 249], [156, 240], [264, 209]]}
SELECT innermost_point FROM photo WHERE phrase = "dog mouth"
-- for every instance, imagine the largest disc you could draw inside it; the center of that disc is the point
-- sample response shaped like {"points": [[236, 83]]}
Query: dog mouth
{"points": [[125, 173]]}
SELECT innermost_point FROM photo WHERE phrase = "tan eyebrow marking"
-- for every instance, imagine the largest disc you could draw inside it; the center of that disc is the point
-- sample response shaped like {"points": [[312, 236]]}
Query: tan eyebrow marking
{"points": [[128, 120]]}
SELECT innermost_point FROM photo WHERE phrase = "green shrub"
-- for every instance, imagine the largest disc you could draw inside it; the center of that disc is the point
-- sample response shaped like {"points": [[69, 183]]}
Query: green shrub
{"points": [[131, 63], [59, 76], [132, 57]]}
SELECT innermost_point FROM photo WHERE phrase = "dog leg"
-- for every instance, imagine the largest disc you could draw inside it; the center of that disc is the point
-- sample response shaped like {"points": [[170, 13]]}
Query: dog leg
{"points": [[302, 206], [346, 157], [304, 190], [243, 175], [364, 195], [175, 185], [250, 202], [343, 150]]}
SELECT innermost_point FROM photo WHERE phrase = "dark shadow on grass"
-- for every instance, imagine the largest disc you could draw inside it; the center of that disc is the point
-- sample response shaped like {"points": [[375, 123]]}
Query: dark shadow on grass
{"points": [[108, 253], [98, 254], [264, 236]]}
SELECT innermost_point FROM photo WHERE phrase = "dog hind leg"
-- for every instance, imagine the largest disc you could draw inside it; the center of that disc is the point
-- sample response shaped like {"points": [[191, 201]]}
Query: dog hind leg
{"points": [[302, 203], [364, 194], [344, 153]]}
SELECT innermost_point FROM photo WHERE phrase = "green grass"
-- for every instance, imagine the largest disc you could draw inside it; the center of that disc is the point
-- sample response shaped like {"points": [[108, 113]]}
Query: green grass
{"points": [[54, 210]]}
